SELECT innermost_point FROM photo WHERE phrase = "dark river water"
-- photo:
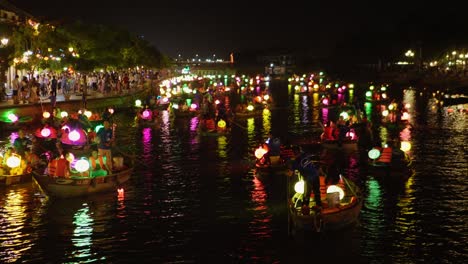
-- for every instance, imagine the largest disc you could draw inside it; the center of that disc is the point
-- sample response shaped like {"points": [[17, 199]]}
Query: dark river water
{"points": [[195, 199]]}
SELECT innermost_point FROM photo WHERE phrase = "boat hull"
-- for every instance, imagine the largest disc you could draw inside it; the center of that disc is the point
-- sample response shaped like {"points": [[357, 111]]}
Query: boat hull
{"points": [[349, 146], [6, 180], [82, 186]]}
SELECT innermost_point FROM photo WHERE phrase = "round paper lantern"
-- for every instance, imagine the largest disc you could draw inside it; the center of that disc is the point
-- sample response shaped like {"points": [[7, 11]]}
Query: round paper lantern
{"points": [[325, 101], [12, 117], [88, 114], [138, 103], [299, 187], [70, 157], [373, 154], [63, 114], [405, 146], [250, 107], [45, 132], [82, 165], [146, 114], [13, 161], [221, 123], [334, 188], [260, 152], [111, 110], [74, 135], [46, 114]]}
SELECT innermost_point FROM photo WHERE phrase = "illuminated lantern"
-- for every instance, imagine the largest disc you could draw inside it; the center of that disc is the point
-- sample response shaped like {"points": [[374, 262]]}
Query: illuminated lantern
{"points": [[175, 106], [385, 113], [120, 193], [74, 135], [260, 152], [266, 97], [368, 94], [334, 188], [217, 101], [299, 187], [45, 132], [88, 113], [193, 106], [146, 114], [63, 114], [98, 127], [373, 153], [165, 100], [405, 146], [138, 103], [12, 117], [250, 107], [82, 165], [111, 110], [221, 123], [13, 161], [70, 157], [405, 116], [325, 101], [351, 134], [345, 115], [46, 114]]}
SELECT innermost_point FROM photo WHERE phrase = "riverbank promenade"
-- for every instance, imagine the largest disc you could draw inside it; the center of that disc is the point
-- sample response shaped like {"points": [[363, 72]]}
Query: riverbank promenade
{"points": [[46, 101]]}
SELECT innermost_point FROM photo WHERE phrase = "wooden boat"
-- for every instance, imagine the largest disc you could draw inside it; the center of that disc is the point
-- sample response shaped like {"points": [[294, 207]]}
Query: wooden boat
{"points": [[77, 186], [346, 145], [6, 180], [387, 166], [147, 123], [339, 210]]}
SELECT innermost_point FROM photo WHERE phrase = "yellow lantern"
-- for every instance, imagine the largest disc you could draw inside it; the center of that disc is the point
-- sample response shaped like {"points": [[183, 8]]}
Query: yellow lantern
{"points": [[14, 161]]}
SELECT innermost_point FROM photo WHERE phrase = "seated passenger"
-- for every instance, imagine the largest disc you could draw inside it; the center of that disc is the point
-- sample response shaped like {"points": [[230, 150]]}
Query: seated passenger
{"points": [[97, 165]]}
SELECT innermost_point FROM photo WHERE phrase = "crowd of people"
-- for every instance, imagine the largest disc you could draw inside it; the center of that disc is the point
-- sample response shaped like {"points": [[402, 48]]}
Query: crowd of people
{"points": [[30, 88]]}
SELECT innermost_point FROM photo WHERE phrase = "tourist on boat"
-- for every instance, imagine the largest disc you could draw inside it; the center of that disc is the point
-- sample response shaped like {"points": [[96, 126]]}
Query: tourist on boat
{"points": [[106, 139], [107, 114], [97, 165], [59, 167], [222, 114], [31, 159], [342, 132], [21, 143], [327, 134], [274, 144], [303, 163]]}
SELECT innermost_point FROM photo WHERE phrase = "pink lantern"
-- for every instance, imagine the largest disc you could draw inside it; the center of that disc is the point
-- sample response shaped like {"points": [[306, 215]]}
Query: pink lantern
{"points": [[146, 114], [325, 101], [74, 135]]}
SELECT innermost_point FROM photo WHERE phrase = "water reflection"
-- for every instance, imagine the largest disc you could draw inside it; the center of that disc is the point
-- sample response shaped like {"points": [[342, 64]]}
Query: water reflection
{"points": [[82, 236], [14, 239], [195, 198]]}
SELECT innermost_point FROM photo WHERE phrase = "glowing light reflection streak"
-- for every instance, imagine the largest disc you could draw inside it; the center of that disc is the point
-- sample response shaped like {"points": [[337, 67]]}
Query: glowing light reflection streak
{"points": [[82, 235]]}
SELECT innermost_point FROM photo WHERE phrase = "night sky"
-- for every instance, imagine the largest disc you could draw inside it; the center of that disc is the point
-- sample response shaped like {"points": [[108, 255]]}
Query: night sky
{"points": [[320, 28]]}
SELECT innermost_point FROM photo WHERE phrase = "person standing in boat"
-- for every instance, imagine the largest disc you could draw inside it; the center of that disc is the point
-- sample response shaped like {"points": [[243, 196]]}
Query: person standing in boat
{"points": [[310, 173], [106, 139], [21, 143]]}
